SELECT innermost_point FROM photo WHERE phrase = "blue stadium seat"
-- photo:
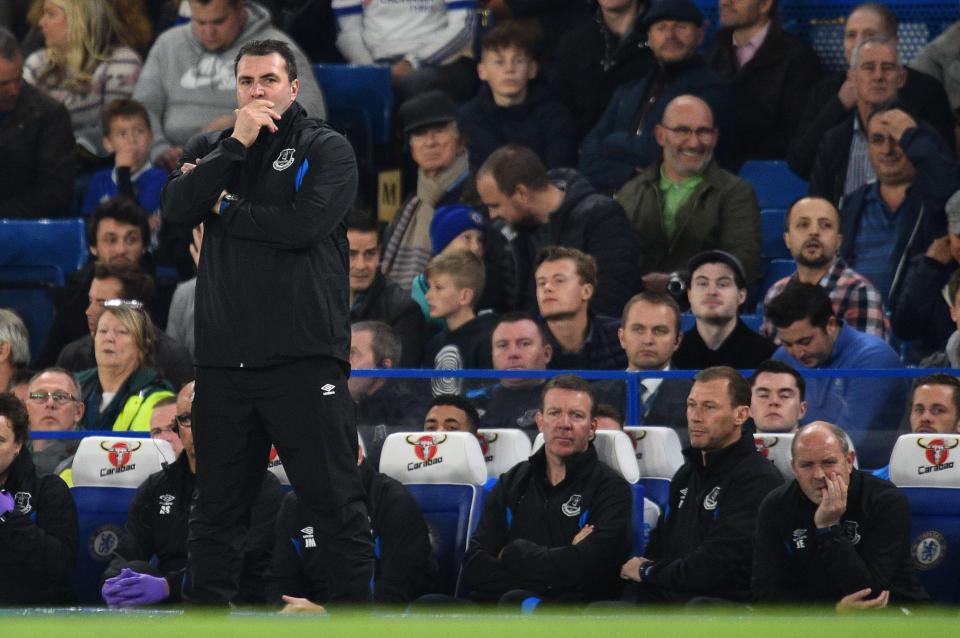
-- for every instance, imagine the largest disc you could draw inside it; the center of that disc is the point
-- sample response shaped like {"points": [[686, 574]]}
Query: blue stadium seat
{"points": [[926, 468], [359, 102], [771, 234], [36, 256], [776, 270], [106, 473], [775, 184], [657, 450], [444, 471]]}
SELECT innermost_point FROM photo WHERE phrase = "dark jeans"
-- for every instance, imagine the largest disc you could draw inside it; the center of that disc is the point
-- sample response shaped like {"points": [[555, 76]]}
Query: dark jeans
{"points": [[304, 409]]}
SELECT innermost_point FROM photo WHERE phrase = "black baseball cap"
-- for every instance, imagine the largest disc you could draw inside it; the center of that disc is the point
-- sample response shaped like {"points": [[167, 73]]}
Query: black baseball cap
{"points": [[679, 10], [719, 257]]}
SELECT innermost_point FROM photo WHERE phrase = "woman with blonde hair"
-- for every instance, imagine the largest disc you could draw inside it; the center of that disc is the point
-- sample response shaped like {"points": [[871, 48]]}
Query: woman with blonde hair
{"points": [[84, 64], [121, 392]]}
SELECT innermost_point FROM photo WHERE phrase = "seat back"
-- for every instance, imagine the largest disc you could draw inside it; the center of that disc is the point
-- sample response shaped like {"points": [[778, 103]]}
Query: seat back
{"points": [[360, 102], [659, 456], [771, 234], [775, 184], [36, 256], [444, 472], [106, 474], [925, 468], [502, 449], [776, 449]]}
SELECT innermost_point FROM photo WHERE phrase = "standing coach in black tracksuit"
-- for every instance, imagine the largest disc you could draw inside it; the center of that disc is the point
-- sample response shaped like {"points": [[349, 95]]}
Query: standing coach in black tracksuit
{"points": [[702, 545], [272, 324], [835, 534], [557, 526]]}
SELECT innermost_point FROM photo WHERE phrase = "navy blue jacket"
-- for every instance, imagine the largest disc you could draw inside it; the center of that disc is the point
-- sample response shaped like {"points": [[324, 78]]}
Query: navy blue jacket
{"points": [[541, 123], [620, 143], [921, 218]]}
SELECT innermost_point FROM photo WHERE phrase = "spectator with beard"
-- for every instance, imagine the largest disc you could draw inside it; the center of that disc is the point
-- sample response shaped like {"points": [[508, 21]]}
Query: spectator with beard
{"points": [[812, 235]]}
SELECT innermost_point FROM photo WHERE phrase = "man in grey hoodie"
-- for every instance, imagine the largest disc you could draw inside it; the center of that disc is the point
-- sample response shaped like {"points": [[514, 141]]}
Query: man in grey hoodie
{"points": [[188, 82]]}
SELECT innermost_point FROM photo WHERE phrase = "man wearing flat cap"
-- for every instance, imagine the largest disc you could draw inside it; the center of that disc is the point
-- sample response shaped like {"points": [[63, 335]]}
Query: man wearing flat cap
{"points": [[438, 148], [623, 143]]}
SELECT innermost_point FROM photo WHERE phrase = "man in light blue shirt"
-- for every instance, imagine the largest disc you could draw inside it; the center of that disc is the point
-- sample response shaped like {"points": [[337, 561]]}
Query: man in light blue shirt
{"points": [[867, 408]]}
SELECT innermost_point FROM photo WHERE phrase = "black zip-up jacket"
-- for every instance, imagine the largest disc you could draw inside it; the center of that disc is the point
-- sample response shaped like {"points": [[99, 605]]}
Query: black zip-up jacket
{"points": [[157, 526], [272, 282], [794, 562], [387, 302], [523, 539], [38, 538], [405, 567], [704, 540], [593, 223]]}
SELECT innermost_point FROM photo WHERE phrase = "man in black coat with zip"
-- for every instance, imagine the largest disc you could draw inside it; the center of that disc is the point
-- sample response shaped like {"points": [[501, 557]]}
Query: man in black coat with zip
{"points": [[701, 547], [273, 326]]}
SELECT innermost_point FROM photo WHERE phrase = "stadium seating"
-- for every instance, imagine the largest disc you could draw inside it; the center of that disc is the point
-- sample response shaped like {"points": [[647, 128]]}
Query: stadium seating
{"points": [[444, 472], [106, 473], [776, 270], [771, 234], [502, 449], [658, 454], [925, 467], [35, 257], [359, 102], [776, 449], [773, 181]]}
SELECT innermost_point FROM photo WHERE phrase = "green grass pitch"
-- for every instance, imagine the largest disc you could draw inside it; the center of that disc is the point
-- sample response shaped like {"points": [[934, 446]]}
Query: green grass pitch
{"points": [[929, 623]]}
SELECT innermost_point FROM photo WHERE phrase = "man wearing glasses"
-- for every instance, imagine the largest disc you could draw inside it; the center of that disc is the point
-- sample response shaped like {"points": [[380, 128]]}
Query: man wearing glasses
{"points": [[53, 405], [623, 142], [157, 528], [686, 204]]}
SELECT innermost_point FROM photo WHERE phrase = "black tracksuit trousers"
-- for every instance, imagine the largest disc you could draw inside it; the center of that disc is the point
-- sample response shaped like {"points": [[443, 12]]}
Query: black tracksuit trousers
{"points": [[304, 409]]}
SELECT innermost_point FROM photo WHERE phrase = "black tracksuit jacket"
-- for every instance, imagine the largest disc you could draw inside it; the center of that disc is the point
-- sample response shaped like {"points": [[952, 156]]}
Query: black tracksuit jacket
{"points": [[272, 282], [794, 562], [523, 539], [38, 538], [405, 567], [703, 543], [157, 526]]}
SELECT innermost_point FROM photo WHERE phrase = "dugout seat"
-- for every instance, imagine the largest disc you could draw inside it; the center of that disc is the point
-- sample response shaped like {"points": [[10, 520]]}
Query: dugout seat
{"points": [[924, 467], [658, 454], [445, 472], [502, 449], [106, 473], [776, 448]]}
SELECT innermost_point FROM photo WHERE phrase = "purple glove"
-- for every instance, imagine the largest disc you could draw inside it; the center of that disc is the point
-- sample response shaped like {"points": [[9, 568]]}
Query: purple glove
{"points": [[6, 502], [130, 588]]}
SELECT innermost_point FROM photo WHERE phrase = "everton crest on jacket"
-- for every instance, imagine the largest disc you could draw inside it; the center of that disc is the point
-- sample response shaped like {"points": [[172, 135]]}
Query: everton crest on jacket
{"points": [[524, 537], [703, 542]]}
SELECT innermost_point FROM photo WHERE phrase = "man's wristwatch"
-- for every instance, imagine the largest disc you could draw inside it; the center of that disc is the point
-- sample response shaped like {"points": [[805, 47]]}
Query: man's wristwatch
{"points": [[228, 199]]}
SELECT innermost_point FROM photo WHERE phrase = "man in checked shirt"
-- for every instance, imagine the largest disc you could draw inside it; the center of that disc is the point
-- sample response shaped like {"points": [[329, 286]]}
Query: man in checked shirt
{"points": [[812, 235]]}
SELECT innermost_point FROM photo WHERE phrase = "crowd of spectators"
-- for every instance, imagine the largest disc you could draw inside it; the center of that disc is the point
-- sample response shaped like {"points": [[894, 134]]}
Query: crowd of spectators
{"points": [[575, 200]]}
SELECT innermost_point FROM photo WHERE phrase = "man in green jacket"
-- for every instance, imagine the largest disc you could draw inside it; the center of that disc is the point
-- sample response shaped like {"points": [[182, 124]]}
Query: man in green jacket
{"points": [[686, 203]]}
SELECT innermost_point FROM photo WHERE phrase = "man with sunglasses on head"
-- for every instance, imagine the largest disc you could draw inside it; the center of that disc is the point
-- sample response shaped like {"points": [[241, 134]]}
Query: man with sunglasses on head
{"points": [[157, 528], [686, 204], [53, 405]]}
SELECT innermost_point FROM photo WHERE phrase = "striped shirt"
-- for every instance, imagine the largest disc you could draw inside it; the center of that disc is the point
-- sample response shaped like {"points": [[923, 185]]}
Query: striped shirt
{"points": [[859, 169]]}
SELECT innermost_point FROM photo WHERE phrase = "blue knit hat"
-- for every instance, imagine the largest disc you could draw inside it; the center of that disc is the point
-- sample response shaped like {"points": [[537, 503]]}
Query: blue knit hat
{"points": [[450, 221]]}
